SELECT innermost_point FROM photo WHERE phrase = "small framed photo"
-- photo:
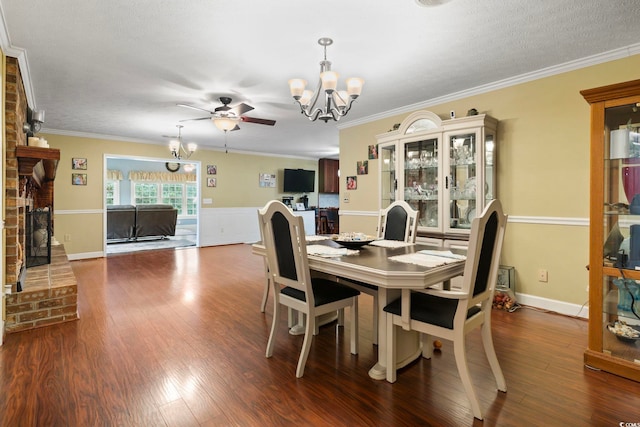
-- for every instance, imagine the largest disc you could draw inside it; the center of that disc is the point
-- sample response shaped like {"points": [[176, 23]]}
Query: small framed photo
{"points": [[79, 163], [79, 179], [373, 152], [212, 170], [363, 167], [267, 180], [211, 182], [352, 183]]}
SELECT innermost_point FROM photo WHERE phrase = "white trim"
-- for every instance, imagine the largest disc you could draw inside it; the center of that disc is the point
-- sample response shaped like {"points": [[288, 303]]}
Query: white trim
{"points": [[146, 141], [85, 255], [623, 52], [549, 220], [540, 220], [78, 211], [561, 307]]}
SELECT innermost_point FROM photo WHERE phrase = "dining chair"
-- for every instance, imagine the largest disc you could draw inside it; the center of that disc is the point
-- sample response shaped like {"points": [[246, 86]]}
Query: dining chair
{"points": [[396, 222], [289, 273], [451, 315]]}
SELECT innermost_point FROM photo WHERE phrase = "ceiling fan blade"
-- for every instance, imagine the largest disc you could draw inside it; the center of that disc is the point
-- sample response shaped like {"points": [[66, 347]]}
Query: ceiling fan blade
{"points": [[170, 136], [195, 108], [241, 108], [201, 118], [258, 121]]}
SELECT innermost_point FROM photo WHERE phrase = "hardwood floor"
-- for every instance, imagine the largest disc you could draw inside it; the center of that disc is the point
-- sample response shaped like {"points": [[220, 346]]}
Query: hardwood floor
{"points": [[176, 338]]}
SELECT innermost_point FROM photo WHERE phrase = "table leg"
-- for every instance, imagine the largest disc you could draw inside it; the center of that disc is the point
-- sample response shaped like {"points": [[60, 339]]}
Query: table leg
{"points": [[408, 346]]}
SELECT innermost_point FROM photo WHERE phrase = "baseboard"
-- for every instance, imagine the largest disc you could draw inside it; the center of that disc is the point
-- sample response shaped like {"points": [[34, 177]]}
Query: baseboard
{"points": [[85, 255], [561, 307]]}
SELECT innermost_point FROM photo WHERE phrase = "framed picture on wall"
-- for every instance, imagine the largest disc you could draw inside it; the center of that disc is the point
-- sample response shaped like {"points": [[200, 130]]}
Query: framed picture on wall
{"points": [[212, 169], [352, 183], [211, 182], [79, 179], [79, 163]]}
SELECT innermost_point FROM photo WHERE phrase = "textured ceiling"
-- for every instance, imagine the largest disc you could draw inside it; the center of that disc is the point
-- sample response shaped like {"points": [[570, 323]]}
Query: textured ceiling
{"points": [[119, 67]]}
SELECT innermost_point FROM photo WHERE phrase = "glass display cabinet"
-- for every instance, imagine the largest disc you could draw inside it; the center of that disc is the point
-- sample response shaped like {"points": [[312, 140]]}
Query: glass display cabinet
{"points": [[614, 230], [444, 169]]}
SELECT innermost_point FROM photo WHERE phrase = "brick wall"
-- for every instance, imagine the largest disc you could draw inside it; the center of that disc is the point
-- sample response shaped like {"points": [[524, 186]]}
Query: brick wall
{"points": [[15, 116]]}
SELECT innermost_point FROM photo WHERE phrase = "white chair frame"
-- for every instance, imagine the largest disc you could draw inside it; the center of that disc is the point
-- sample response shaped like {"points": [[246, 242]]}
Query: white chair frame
{"points": [[303, 283], [462, 323]]}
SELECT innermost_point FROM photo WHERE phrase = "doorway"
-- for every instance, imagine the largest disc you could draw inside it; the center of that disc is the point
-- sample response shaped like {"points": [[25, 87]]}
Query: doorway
{"points": [[150, 182]]}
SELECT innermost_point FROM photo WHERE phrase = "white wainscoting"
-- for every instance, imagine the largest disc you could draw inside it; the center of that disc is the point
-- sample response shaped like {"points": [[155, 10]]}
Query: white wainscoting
{"points": [[225, 226]]}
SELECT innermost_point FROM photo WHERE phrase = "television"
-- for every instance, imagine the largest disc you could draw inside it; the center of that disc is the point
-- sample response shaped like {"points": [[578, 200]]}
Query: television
{"points": [[299, 181]]}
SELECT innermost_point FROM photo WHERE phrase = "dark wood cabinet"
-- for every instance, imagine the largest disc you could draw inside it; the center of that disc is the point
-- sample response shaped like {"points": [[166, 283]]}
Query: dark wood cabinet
{"points": [[328, 179]]}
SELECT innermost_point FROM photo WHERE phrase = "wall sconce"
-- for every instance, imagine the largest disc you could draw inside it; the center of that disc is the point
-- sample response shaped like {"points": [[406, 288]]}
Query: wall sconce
{"points": [[35, 124]]}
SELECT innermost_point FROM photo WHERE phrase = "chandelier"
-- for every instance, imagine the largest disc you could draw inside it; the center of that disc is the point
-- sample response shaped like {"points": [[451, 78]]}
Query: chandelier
{"points": [[178, 150], [337, 103]]}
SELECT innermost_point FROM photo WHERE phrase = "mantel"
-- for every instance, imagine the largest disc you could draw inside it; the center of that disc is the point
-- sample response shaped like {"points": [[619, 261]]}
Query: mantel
{"points": [[38, 162]]}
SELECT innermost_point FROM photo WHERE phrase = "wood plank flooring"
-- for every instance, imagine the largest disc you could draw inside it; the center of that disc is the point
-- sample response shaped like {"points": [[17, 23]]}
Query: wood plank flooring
{"points": [[176, 338]]}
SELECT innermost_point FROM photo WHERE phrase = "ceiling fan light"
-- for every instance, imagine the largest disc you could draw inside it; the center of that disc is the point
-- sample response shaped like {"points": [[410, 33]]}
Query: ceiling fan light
{"points": [[192, 147], [354, 86], [174, 145], [225, 123], [296, 87], [329, 80]]}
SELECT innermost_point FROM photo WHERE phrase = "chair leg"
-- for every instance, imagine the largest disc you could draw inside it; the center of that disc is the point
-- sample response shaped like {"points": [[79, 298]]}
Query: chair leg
{"points": [[341, 317], [375, 319], [274, 323], [427, 345], [306, 345], [354, 326], [265, 295], [391, 349], [463, 370], [487, 343]]}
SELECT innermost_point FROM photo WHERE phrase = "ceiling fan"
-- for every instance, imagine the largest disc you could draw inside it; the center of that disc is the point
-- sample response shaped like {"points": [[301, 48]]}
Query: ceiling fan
{"points": [[226, 118]]}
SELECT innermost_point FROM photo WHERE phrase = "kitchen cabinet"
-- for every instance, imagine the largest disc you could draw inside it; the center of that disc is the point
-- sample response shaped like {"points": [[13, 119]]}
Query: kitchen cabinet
{"points": [[328, 179], [614, 230], [444, 169]]}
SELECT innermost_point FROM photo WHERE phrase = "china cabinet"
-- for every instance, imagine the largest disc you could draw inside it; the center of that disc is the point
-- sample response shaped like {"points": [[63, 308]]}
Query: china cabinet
{"points": [[614, 230], [444, 169]]}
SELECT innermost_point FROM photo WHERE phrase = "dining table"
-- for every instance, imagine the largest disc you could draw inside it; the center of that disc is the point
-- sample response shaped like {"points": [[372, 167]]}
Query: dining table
{"points": [[391, 266]]}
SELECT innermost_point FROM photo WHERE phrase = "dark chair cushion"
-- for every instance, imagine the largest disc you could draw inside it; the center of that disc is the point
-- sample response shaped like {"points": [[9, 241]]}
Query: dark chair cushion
{"points": [[324, 292], [430, 309], [396, 224]]}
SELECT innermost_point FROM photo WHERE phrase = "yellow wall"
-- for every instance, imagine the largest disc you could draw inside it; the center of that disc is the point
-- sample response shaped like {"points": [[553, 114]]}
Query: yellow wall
{"points": [[543, 172], [237, 183]]}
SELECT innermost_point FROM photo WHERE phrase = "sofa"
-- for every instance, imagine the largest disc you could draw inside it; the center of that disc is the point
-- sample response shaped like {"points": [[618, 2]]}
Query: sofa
{"points": [[128, 222]]}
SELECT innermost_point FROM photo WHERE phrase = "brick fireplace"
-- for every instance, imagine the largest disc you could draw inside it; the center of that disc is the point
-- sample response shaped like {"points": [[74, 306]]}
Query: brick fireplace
{"points": [[43, 294]]}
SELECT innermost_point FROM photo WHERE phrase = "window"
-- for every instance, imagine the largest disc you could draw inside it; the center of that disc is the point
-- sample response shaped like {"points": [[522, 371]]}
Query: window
{"points": [[113, 192], [182, 196]]}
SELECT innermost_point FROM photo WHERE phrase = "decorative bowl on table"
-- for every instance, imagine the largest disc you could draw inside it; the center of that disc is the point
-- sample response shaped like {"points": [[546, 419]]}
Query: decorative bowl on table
{"points": [[352, 240], [623, 331]]}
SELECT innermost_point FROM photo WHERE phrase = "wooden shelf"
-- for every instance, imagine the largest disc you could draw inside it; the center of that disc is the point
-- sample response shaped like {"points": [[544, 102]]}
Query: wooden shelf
{"points": [[38, 162]]}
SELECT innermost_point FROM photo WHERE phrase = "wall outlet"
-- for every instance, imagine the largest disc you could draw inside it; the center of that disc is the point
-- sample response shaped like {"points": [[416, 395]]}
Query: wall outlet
{"points": [[207, 201], [543, 275], [67, 237]]}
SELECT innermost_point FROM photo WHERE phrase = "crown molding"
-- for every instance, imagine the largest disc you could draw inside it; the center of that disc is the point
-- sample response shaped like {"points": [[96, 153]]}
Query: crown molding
{"points": [[623, 52], [21, 55]]}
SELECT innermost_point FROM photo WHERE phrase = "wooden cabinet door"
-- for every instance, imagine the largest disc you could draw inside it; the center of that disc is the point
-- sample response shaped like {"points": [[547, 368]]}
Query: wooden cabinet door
{"points": [[328, 180]]}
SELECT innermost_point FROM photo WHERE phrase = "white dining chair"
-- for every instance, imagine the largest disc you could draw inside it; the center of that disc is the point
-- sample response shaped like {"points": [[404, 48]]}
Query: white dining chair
{"points": [[289, 274], [452, 314]]}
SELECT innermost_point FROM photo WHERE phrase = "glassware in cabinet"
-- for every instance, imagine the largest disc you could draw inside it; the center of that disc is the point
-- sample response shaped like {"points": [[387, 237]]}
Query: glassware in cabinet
{"points": [[421, 170], [388, 183]]}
